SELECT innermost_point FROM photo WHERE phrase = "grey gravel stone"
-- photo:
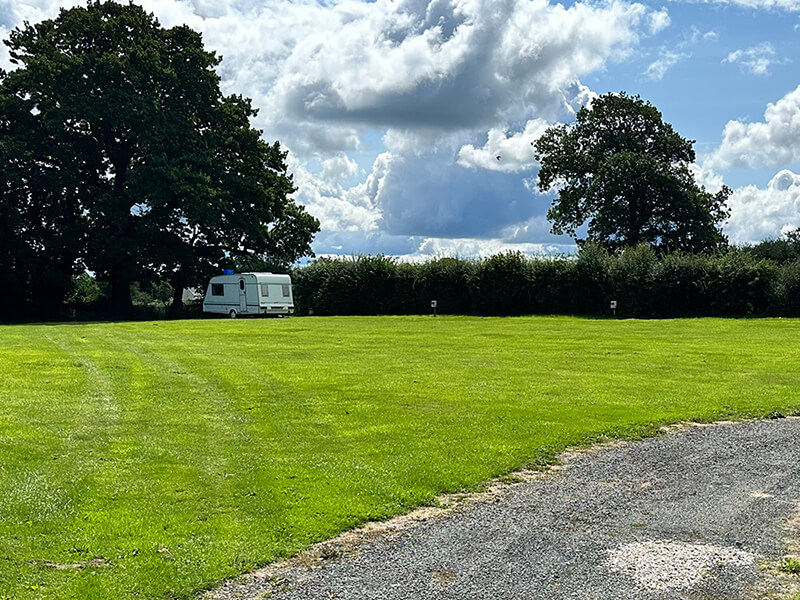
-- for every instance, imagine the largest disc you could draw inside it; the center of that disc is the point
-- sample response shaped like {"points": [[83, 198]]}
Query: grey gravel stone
{"points": [[700, 513]]}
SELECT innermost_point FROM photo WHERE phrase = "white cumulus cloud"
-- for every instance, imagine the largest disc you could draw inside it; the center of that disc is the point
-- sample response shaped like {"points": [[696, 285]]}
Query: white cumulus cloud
{"points": [[659, 21], [787, 5], [338, 167], [512, 151], [504, 152], [338, 207], [760, 213], [773, 142], [485, 248], [708, 178], [323, 73], [446, 65]]}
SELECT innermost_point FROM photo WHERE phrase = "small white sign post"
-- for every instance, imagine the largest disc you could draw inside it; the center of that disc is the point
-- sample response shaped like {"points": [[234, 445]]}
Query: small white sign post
{"points": [[434, 304], [614, 307]]}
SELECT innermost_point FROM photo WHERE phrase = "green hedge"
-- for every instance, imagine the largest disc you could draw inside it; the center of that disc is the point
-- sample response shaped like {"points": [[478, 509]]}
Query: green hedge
{"points": [[644, 284]]}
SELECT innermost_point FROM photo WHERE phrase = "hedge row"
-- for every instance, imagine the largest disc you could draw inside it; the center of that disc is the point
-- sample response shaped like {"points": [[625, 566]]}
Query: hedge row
{"points": [[642, 283]]}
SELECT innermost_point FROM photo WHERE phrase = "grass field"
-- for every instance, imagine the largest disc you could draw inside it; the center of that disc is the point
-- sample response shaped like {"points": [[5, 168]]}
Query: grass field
{"points": [[151, 460]]}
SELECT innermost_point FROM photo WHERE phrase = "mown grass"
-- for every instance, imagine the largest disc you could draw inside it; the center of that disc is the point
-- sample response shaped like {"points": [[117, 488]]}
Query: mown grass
{"points": [[151, 460]]}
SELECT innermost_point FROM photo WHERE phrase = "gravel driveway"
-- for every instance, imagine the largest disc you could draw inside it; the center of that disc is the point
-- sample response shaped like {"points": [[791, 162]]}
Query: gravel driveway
{"points": [[704, 512]]}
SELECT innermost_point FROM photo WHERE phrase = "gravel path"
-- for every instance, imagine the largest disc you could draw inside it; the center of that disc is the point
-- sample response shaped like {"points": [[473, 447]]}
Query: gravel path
{"points": [[701, 513]]}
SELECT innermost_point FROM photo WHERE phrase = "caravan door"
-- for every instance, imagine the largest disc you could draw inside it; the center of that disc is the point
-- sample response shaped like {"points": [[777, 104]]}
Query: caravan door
{"points": [[242, 297]]}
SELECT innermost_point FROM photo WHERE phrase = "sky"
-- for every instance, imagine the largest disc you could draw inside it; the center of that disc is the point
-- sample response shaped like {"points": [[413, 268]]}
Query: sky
{"points": [[394, 112]]}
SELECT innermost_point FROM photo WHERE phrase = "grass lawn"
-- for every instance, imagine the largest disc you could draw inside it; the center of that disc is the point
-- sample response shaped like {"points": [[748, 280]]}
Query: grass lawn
{"points": [[151, 460]]}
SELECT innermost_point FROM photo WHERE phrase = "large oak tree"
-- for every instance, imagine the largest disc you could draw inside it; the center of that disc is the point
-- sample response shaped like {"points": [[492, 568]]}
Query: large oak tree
{"points": [[624, 172], [125, 157]]}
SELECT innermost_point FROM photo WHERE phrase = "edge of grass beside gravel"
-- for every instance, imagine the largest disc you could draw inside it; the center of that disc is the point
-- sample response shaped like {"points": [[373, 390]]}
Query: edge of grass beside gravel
{"points": [[498, 500], [153, 460]]}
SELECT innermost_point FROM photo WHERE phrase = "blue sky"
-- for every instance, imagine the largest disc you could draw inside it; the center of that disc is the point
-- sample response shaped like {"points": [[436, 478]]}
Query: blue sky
{"points": [[394, 111]]}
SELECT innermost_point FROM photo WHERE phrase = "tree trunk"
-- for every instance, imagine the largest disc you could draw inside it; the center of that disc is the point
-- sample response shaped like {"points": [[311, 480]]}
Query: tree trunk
{"points": [[633, 223], [120, 154], [121, 305], [176, 309]]}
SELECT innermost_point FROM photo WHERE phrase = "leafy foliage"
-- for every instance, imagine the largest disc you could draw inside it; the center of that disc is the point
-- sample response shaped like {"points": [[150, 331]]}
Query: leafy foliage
{"points": [[625, 171], [85, 290], [121, 154], [643, 283], [790, 565], [782, 250], [502, 285], [633, 274], [449, 281]]}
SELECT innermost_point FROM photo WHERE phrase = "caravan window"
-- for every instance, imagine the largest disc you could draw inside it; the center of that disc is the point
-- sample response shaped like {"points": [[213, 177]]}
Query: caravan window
{"points": [[241, 284], [285, 290], [217, 289], [265, 289]]}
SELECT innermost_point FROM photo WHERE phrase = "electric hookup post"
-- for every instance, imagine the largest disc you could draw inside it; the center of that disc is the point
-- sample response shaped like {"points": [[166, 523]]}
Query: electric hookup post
{"points": [[614, 307], [434, 304]]}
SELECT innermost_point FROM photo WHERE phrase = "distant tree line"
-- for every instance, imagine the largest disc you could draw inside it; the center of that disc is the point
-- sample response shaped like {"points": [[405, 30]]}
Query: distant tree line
{"points": [[756, 280], [741, 282]]}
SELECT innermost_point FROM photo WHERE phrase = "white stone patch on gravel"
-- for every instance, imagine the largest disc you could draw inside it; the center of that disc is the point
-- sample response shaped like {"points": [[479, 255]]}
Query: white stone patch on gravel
{"points": [[662, 566]]}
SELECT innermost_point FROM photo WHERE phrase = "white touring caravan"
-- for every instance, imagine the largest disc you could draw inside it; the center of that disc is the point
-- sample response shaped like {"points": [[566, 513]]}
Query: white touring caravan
{"points": [[244, 294]]}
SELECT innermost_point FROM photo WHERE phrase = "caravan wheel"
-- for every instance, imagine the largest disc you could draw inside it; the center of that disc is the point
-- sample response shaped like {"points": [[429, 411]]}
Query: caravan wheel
{"points": [[232, 313]]}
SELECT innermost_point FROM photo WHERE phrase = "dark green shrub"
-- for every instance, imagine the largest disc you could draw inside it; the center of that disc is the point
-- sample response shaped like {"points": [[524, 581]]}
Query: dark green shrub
{"points": [[786, 299], [780, 251], [552, 283], [643, 284], [406, 301], [504, 285], [85, 290], [591, 281], [681, 286], [327, 286], [741, 285], [632, 274], [376, 291], [449, 281]]}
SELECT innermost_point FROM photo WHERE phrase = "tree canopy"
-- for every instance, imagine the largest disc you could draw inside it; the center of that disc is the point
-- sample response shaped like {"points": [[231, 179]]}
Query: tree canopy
{"points": [[783, 250], [120, 154], [624, 172]]}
